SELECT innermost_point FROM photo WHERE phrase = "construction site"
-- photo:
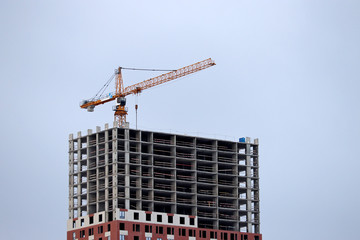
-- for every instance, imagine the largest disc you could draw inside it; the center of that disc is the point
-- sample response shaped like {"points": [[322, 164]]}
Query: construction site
{"points": [[132, 184]]}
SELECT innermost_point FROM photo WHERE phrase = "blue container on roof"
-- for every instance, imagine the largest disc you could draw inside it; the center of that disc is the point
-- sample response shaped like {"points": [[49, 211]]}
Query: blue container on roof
{"points": [[242, 139]]}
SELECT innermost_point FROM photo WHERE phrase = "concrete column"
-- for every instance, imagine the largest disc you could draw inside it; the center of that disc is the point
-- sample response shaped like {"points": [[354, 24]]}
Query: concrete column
{"points": [[248, 186], [127, 169], [195, 181], [115, 170], [107, 197], [71, 179], [88, 173], [79, 144], [215, 145], [151, 141], [89, 132], [78, 174], [257, 215], [237, 189], [97, 169]]}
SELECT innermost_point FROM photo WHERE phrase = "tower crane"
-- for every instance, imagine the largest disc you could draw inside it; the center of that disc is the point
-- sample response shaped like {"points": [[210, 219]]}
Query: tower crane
{"points": [[121, 92]]}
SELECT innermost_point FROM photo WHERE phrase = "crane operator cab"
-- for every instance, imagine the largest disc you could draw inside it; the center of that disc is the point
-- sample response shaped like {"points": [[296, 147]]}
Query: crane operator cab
{"points": [[120, 106], [121, 101]]}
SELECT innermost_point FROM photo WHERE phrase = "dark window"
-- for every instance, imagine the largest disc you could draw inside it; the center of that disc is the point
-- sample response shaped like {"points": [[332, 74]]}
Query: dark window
{"points": [[136, 237], [204, 234], [148, 217], [100, 229], [182, 220], [74, 224], [215, 234], [256, 237], [232, 236], [168, 231], [136, 216], [91, 219], [100, 238], [137, 227], [133, 227], [109, 227], [170, 219], [122, 226], [225, 236], [148, 228], [245, 237], [184, 232], [157, 229], [200, 234], [161, 230], [190, 233], [100, 218], [159, 218], [179, 231], [212, 235], [91, 231], [192, 221], [82, 222], [172, 231]]}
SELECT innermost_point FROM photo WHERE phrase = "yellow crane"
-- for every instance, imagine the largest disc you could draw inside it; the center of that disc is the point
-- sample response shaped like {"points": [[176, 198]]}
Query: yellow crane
{"points": [[121, 92]]}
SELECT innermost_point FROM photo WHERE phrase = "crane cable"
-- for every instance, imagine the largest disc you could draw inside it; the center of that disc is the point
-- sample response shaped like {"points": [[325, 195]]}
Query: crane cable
{"points": [[103, 88], [147, 69]]}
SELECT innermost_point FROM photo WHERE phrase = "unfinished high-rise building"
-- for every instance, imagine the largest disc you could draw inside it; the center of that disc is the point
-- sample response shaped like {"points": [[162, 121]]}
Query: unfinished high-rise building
{"points": [[127, 184]]}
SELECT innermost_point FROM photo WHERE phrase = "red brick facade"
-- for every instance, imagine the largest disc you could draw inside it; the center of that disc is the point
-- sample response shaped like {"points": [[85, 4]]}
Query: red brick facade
{"points": [[138, 229]]}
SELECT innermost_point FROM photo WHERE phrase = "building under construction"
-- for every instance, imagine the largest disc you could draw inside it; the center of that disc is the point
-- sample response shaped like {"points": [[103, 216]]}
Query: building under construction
{"points": [[127, 184]]}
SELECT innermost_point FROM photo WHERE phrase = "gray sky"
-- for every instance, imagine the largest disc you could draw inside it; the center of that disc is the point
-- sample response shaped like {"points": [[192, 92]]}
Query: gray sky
{"points": [[287, 73]]}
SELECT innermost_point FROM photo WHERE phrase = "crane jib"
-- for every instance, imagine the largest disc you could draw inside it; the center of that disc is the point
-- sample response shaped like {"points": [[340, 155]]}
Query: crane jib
{"points": [[138, 87]]}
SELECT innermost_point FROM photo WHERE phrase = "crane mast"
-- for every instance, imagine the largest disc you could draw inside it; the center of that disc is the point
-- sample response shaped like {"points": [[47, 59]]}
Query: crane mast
{"points": [[120, 109], [121, 92]]}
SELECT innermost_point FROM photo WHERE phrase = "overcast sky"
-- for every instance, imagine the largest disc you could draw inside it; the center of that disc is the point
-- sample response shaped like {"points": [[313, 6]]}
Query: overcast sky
{"points": [[287, 73]]}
